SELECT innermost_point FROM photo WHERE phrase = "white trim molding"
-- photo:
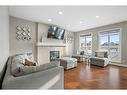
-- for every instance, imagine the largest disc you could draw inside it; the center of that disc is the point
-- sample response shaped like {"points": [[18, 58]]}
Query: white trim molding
{"points": [[50, 45], [118, 64]]}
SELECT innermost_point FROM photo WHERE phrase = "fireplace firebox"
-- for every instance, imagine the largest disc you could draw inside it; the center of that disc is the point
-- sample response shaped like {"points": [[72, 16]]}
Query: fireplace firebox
{"points": [[54, 55]]}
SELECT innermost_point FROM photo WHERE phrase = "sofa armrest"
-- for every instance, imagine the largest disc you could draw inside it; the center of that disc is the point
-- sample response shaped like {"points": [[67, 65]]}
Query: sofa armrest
{"points": [[49, 79]]}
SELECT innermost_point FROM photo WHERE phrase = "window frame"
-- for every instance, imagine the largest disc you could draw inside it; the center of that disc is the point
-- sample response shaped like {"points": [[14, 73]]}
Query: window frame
{"points": [[120, 38], [91, 41]]}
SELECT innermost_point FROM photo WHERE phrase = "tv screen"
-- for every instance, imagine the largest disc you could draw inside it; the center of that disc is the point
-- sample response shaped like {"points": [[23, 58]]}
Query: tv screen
{"points": [[55, 32]]}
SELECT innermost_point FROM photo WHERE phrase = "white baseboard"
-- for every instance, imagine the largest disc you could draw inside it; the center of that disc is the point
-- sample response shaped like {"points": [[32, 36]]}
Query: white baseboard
{"points": [[118, 64]]}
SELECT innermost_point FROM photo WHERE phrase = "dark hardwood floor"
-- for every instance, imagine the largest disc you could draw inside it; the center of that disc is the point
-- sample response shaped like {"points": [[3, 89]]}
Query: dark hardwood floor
{"points": [[94, 77]]}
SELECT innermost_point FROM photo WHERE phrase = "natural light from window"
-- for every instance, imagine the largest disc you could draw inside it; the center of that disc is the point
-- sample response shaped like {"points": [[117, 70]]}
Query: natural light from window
{"points": [[110, 41], [86, 43]]}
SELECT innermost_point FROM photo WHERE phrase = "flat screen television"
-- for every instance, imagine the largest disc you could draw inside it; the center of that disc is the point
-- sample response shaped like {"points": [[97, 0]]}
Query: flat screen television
{"points": [[56, 32]]}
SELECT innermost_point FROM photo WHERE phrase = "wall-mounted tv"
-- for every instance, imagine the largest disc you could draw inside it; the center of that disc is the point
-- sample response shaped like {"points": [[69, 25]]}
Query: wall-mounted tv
{"points": [[56, 32]]}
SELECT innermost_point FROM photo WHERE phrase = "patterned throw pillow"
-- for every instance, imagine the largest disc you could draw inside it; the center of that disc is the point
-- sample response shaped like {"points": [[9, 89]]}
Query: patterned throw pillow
{"points": [[29, 63], [21, 63], [30, 56], [101, 54]]}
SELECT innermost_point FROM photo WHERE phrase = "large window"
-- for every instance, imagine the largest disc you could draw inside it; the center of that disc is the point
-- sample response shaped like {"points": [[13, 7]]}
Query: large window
{"points": [[86, 43], [110, 41]]}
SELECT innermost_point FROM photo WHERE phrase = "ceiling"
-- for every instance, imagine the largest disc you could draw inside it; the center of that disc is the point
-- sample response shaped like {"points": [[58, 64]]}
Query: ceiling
{"points": [[72, 18]]}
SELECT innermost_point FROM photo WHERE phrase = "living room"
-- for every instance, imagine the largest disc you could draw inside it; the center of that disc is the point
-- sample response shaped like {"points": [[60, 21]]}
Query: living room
{"points": [[86, 51]]}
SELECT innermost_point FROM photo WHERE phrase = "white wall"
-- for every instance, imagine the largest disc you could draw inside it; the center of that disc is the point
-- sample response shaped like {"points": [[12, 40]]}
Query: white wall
{"points": [[43, 52], [4, 37], [95, 42], [22, 46]]}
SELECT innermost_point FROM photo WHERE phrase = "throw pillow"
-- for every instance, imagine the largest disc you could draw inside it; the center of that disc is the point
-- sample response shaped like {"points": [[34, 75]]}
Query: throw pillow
{"points": [[29, 63], [100, 54]]}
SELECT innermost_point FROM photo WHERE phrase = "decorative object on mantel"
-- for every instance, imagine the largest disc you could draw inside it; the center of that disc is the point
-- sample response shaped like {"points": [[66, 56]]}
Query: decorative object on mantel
{"points": [[23, 33], [43, 36], [69, 39], [65, 40]]}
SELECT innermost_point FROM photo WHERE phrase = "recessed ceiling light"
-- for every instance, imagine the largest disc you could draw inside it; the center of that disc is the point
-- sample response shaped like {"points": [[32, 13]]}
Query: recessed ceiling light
{"points": [[60, 12], [49, 19], [97, 16]]}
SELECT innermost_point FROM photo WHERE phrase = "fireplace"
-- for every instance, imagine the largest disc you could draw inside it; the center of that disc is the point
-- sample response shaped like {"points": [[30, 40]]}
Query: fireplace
{"points": [[54, 55]]}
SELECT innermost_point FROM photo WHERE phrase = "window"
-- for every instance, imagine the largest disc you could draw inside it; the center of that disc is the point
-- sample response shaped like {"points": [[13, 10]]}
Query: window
{"points": [[86, 43], [110, 41]]}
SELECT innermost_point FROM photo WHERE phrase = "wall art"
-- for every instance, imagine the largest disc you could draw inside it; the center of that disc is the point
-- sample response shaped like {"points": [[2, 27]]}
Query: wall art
{"points": [[23, 33]]}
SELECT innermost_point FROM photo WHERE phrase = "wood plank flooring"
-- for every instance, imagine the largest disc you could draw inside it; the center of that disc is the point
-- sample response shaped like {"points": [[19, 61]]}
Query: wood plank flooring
{"points": [[94, 77]]}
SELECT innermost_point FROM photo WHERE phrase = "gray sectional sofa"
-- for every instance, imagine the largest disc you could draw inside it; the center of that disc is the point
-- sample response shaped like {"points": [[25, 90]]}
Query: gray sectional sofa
{"points": [[47, 76]]}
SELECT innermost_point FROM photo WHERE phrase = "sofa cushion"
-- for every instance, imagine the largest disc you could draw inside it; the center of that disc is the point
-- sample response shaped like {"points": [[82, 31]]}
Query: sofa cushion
{"points": [[45, 66], [30, 56], [18, 62], [15, 68], [26, 70], [31, 69], [22, 57], [19, 59]]}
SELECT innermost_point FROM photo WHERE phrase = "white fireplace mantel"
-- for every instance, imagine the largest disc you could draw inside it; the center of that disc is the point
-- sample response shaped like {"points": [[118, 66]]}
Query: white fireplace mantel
{"points": [[44, 44]]}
